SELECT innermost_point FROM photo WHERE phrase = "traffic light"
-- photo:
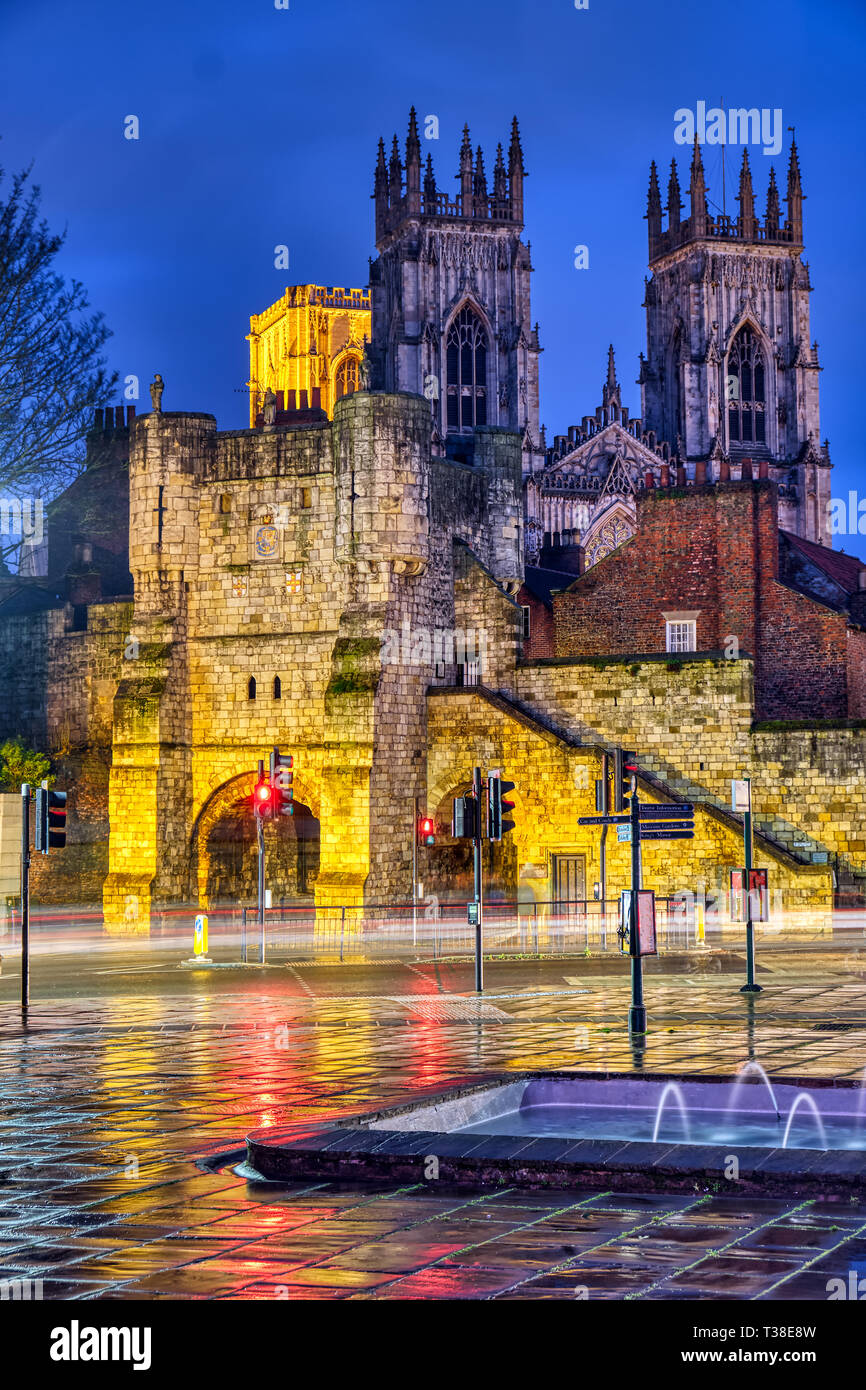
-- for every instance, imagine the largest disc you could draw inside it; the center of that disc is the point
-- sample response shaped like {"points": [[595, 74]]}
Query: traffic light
{"points": [[50, 820], [497, 807], [282, 778], [263, 806], [426, 830], [464, 818], [624, 768]]}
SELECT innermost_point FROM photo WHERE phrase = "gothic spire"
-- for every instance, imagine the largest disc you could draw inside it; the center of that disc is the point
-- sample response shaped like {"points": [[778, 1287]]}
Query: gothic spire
{"points": [[413, 168], [746, 200], [653, 210], [795, 195], [675, 202], [610, 394], [466, 175], [516, 172], [380, 190], [771, 221], [429, 184], [500, 183], [698, 193], [396, 178], [480, 182]]}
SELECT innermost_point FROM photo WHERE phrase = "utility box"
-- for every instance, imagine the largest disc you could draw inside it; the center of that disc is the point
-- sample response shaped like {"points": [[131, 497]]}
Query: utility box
{"points": [[10, 846]]}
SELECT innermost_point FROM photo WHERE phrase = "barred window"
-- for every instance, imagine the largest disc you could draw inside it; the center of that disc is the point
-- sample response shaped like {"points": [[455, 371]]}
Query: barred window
{"points": [[466, 367], [746, 390]]}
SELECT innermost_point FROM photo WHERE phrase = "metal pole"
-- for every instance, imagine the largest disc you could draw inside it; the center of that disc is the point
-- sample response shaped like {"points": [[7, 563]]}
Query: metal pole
{"points": [[244, 935], [479, 966], [749, 987], [605, 810], [25, 896], [414, 872], [637, 1012]]}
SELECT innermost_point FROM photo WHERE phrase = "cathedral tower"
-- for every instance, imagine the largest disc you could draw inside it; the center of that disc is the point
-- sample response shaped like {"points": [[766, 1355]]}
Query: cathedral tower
{"points": [[450, 294], [730, 380]]}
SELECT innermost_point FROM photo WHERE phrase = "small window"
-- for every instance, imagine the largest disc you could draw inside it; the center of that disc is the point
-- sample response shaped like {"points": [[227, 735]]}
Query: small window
{"points": [[225, 502], [681, 636], [278, 688], [527, 622], [251, 688], [306, 497]]}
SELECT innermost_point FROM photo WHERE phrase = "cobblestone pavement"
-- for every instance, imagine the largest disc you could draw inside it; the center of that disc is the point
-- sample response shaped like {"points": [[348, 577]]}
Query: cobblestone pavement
{"points": [[110, 1098]]}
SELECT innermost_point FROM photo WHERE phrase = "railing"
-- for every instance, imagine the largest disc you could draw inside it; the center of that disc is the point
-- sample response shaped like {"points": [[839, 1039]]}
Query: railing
{"points": [[441, 930]]}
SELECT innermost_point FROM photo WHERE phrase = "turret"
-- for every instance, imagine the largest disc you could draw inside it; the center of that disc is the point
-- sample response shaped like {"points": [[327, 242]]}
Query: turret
{"points": [[395, 181], [380, 190], [500, 185]]}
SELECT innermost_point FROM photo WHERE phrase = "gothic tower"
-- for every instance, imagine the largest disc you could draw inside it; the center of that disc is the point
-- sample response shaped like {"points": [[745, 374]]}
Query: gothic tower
{"points": [[450, 295], [730, 380]]}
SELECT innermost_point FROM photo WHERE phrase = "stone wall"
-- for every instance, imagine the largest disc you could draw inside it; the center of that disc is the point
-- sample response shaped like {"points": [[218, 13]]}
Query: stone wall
{"points": [[690, 722]]}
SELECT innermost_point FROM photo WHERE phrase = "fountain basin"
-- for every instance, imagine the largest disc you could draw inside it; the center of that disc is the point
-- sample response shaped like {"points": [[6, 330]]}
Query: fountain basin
{"points": [[591, 1129]]}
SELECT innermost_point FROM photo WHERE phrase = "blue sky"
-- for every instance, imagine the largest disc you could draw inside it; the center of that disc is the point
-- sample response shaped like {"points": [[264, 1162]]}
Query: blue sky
{"points": [[259, 126]]}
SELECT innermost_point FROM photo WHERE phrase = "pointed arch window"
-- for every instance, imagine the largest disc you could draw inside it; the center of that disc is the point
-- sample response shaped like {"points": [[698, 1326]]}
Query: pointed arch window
{"points": [[251, 688], [278, 688], [348, 377], [746, 390], [466, 371]]}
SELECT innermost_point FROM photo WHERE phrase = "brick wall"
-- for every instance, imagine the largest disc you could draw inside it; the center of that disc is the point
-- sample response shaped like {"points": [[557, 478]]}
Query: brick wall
{"points": [[712, 551]]}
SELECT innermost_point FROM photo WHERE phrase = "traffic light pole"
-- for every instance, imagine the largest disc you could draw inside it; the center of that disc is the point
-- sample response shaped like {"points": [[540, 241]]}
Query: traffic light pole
{"points": [[479, 915], [637, 1012], [260, 836], [415, 814], [749, 987], [25, 897], [605, 809]]}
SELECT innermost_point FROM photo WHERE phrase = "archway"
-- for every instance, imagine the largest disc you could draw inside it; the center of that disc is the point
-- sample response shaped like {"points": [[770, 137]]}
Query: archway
{"points": [[224, 849]]}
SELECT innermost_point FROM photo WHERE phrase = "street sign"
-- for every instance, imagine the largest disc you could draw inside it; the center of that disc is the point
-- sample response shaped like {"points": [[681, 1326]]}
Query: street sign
{"points": [[648, 811], [623, 834], [654, 825], [603, 820], [741, 794], [667, 834]]}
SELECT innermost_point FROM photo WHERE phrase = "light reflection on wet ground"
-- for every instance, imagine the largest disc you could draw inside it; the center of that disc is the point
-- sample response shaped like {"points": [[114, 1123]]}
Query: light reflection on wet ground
{"points": [[121, 1081]]}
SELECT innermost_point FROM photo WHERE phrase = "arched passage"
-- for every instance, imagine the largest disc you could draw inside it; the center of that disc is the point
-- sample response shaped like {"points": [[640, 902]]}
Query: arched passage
{"points": [[223, 860]]}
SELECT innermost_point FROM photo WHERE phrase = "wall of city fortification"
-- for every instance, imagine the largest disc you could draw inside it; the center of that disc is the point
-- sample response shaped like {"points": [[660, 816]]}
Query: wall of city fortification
{"points": [[690, 723]]}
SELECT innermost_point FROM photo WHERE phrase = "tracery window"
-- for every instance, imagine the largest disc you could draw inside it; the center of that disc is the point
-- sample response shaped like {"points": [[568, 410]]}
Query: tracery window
{"points": [[348, 377], [746, 390], [466, 370], [612, 534]]}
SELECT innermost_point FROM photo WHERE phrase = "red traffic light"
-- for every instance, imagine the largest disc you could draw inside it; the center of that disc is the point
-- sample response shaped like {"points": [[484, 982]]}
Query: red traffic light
{"points": [[426, 830], [263, 793], [263, 800]]}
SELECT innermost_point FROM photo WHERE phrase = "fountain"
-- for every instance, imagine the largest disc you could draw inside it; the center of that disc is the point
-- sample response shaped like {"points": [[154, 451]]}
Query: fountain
{"points": [[672, 1089], [743, 1072], [803, 1098]]}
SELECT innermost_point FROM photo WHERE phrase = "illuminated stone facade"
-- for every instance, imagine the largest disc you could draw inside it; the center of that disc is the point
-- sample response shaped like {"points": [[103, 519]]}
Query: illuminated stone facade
{"points": [[307, 348]]}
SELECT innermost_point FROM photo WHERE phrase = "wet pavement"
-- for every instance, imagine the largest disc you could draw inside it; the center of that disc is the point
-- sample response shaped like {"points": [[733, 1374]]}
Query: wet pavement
{"points": [[131, 1072]]}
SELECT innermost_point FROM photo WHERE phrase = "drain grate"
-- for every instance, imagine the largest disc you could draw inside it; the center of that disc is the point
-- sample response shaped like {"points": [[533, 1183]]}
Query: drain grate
{"points": [[435, 1007], [833, 1027]]}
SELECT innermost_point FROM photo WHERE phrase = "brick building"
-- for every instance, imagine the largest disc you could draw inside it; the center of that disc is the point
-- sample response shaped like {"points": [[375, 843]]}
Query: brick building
{"points": [[709, 571]]}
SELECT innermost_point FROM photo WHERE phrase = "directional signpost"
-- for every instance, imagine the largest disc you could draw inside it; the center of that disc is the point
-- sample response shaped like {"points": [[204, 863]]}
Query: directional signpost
{"points": [[643, 822]]}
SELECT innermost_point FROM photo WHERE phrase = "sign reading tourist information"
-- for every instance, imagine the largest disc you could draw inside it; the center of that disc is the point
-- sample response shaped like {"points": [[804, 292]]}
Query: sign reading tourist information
{"points": [[651, 812]]}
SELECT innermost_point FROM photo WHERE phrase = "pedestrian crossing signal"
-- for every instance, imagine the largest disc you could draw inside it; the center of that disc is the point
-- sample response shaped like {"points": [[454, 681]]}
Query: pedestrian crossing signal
{"points": [[282, 778]]}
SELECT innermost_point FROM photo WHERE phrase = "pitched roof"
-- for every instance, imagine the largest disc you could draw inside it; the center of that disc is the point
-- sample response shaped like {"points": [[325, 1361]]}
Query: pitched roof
{"points": [[540, 582], [844, 570]]}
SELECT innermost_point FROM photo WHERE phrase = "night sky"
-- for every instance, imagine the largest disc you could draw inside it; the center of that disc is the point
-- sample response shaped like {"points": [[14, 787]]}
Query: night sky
{"points": [[259, 126]]}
